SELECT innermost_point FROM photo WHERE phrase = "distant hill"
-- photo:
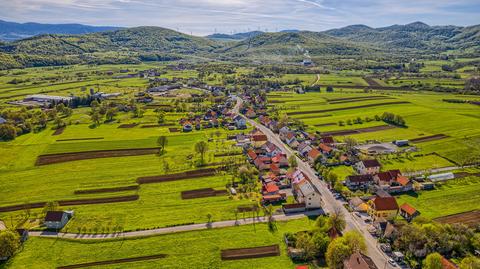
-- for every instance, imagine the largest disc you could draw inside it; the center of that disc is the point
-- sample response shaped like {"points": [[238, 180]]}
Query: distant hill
{"points": [[10, 31], [238, 36]]}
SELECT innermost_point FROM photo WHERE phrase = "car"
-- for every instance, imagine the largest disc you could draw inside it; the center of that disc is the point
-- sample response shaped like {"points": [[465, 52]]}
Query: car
{"points": [[392, 262]]}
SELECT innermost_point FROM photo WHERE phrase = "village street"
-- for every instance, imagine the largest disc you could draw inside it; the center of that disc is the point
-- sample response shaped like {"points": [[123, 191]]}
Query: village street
{"points": [[176, 229], [330, 203]]}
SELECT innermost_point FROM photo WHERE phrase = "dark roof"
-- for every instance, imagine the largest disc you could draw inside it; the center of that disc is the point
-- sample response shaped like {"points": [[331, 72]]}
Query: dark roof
{"points": [[54, 216], [385, 203], [328, 140], [359, 261], [371, 163], [360, 178]]}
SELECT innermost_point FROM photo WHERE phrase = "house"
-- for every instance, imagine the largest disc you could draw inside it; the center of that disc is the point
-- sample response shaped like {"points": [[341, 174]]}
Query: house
{"points": [[368, 167], [404, 183], [294, 143], [187, 127], [283, 133], [56, 219], [386, 178], [306, 193], [328, 140], [304, 148], [326, 150], [261, 164], [250, 113], [281, 160], [271, 189], [356, 182], [290, 136], [408, 212], [240, 122], [259, 139], [359, 261], [383, 207], [251, 155], [275, 169], [400, 143], [313, 155], [358, 204], [2, 120], [271, 149]]}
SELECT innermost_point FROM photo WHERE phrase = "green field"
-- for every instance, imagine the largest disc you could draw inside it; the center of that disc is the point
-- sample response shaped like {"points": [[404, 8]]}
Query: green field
{"points": [[199, 248]]}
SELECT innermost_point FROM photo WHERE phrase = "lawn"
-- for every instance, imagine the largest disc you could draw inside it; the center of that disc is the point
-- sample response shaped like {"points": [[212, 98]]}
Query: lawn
{"points": [[453, 197], [198, 249]]}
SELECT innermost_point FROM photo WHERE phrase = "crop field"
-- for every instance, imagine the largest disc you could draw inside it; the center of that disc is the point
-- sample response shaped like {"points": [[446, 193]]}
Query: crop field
{"points": [[426, 115], [201, 248], [455, 196]]}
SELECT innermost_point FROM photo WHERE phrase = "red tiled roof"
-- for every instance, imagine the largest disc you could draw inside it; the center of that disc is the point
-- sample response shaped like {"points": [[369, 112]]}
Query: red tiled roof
{"points": [[274, 167], [271, 187], [385, 176], [402, 180], [446, 264], [410, 210], [259, 137], [385, 203], [301, 267], [314, 153], [252, 154], [325, 148]]}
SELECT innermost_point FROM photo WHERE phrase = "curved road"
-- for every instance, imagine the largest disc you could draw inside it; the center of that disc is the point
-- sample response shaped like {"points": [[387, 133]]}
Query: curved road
{"points": [[330, 203]]}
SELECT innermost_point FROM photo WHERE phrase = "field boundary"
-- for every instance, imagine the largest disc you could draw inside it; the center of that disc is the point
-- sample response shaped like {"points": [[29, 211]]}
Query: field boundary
{"points": [[250, 253], [80, 139], [202, 193], [117, 261], [346, 108], [45, 159], [104, 190], [88, 201], [429, 138], [469, 218], [59, 131], [359, 130], [127, 125]]}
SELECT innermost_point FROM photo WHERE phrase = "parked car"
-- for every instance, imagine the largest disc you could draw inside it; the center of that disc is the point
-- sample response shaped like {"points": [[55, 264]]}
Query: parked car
{"points": [[392, 262]]}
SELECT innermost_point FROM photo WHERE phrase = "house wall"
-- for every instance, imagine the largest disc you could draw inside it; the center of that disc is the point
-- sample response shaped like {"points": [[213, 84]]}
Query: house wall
{"points": [[386, 214]]}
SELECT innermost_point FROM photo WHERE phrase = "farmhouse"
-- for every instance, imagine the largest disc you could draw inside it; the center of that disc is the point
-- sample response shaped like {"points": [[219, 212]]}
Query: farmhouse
{"points": [[356, 182], [368, 167], [408, 212], [359, 261], [313, 155], [57, 219], [383, 207]]}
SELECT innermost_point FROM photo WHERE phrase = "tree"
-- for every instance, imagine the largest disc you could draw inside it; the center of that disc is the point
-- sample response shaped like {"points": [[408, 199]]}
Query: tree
{"points": [[305, 242], [433, 261], [59, 123], [201, 148], [161, 117], [337, 252], [9, 243], [470, 262], [50, 206], [355, 241], [95, 117], [111, 113], [245, 174], [350, 143], [332, 178], [292, 161], [7, 132], [321, 241], [162, 142], [336, 220]]}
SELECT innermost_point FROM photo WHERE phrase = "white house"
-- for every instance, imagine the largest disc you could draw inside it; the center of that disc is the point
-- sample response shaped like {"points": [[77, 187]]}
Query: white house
{"points": [[368, 167], [307, 194]]}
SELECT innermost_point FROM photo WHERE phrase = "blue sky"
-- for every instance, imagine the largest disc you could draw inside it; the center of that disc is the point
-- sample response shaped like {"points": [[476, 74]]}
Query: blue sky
{"points": [[202, 17]]}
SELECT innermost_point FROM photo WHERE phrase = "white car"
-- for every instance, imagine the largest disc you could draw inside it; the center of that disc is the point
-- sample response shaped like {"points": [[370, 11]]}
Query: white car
{"points": [[392, 262]]}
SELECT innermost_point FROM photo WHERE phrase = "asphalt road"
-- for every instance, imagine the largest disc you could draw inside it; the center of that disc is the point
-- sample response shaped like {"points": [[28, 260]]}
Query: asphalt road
{"points": [[330, 203]]}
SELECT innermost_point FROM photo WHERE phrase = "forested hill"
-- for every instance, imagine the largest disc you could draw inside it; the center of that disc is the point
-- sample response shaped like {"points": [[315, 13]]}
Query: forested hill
{"points": [[133, 45], [13, 31], [415, 35]]}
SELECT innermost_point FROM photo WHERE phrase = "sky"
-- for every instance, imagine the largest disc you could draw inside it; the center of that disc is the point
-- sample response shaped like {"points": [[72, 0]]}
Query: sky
{"points": [[202, 17]]}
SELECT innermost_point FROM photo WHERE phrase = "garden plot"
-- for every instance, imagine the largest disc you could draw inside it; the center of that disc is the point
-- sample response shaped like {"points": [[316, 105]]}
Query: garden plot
{"points": [[359, 131], [471, 218], [202, 193], [249, 253], [118, 261], [346, 108]]}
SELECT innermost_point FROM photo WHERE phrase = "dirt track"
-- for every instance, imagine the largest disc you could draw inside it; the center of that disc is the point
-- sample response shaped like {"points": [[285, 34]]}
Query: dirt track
{"points": [[202, 193], [470, 218], [127, 126], [249, 253], [59, 131], [104, 190], [86, 155], [428, 138]]}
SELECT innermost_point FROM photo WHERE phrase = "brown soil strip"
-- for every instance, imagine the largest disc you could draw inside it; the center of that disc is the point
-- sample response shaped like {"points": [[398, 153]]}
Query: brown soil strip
{"points": [[347, 108], [127, 126], [118, 261], [466, 174], [227, 154], [75, 156], [178, 176], [359, 131], [80, 139], [173, 130], [429, 138], [325, 124], [242, 209], [277, 102], [470, 218], [104, 190], [89, 201], [360, 100], [202, 193], [387, 88], [249, 253], [372, 82], [59, 131], [157, 125]]}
